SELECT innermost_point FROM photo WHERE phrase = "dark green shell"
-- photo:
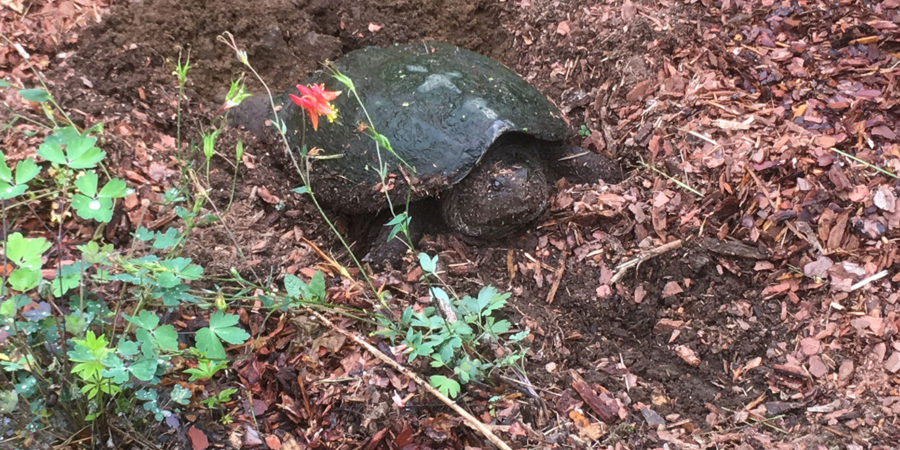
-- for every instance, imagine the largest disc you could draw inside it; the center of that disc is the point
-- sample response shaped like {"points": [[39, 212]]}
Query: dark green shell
{"points": [[440, 106]]}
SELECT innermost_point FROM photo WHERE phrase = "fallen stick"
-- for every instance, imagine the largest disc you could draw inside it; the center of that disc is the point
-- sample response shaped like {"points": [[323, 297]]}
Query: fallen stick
{"points": [[557, 276], [622, 269], [469, 419]]}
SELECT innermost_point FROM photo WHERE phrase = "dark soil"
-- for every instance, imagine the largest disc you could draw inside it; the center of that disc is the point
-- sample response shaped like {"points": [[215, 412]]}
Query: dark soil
{"points": [[121, 72]]}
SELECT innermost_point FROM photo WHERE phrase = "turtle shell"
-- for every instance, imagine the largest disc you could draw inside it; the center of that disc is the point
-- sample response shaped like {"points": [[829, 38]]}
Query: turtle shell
{"points": [[440, 106]]}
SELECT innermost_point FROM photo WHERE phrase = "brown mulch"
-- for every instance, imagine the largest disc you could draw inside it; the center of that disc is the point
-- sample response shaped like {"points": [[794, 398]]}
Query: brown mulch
{"points": [[772, 324]]}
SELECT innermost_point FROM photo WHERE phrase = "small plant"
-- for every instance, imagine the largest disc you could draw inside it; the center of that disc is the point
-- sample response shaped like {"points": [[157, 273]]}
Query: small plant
{"points": [[57, 317], [453, 339], [584, 131]]}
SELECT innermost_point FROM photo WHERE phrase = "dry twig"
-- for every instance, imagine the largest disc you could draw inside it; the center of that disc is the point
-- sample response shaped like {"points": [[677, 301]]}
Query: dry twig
{"points": [[468, 418], [622, 269]]}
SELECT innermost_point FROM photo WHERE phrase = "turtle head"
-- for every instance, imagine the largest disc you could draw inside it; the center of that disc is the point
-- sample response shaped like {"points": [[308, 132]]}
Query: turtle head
{"points": [[504, 192]]}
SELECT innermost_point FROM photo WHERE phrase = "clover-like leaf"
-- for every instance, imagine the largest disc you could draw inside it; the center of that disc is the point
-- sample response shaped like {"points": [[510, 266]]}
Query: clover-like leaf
{"points": [[87, 183], [67, 146], [115, 188], [221, 326], [144, 369], [145, 319], [99, 209], [180, 395], [447, 386], [25, 252]]}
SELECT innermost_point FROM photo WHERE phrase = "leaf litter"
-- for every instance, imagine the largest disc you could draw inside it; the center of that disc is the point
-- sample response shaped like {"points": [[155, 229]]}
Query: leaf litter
{"points": [[782, 116]]}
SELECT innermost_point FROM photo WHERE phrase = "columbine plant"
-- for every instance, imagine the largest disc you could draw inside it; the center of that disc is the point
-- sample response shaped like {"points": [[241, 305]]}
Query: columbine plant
{"points": [[57, 319], [450, 333]]}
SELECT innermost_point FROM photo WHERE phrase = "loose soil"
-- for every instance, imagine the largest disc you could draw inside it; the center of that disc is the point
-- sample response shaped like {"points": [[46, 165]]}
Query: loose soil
{"points": [[674, 338]]}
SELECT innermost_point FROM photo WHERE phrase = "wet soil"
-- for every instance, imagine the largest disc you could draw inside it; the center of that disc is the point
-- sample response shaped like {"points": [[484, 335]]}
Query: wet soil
{"points": [[120, 70]]}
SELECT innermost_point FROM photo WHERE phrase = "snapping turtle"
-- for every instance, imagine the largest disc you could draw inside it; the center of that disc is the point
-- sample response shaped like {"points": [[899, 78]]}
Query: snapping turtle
{"points": [[483, 141]]}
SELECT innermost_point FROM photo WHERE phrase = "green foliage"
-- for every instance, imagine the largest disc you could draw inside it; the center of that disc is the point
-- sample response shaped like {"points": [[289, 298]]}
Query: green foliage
{"points": [[312, 292], [69, 147], [205, 370], [584, 131], [90, 204], [454, 344], [13, 186], [221, 328], [25, 253], [219, 399], [35, 95], [60, 335]]}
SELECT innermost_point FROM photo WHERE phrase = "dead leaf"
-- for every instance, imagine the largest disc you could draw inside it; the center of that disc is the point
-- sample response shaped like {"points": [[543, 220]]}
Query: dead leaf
{"points": [[892, 364], [884, 199], [817, 368], [562, 28], [671, 288], [586, 429], [809, 346], [688, 355], [818, 268], [374, 27], [198, 438]]}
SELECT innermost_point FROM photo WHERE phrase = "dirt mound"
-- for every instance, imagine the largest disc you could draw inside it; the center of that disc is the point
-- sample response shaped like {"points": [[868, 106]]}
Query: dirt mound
{"points": [[136, 47]]}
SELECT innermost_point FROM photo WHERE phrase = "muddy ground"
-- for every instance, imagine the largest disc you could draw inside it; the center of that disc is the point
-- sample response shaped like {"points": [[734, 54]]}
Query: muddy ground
{"points": [[689, 347]]}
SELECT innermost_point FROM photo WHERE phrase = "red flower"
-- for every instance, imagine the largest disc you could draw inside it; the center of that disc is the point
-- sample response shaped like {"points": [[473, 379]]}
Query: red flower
{"points": [[316, 101]]}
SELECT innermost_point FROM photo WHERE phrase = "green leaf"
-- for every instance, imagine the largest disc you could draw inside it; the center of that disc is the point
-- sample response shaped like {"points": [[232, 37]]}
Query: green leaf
{"points": [[79, 153], [180, 395], [166, 240], [144, 369], [223, 325], [127, 348], [300, 190], [115, 188], [143, 234], [519, 336], [35, 95], [26, 170], [99, 209], [9, 401], [292, 285], [446, 386], [5, 172], [208, 343], [7, 191], [69, 277], [23, 279], [167, 338], [317, 286], [87, 183], [75, 323], [52, 151], [8, 308], [500, 327], [145, 319], [26, 252], [429, 264]]}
